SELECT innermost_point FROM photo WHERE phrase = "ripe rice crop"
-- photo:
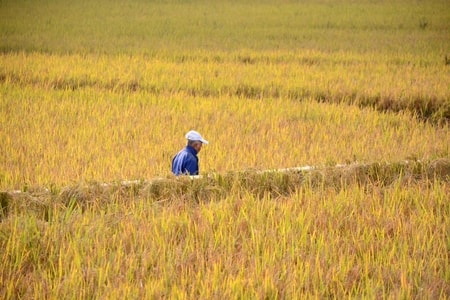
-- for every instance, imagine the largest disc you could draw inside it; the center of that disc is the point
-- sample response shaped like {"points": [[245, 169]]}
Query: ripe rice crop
{"points": [[393, 83], [64, 136], [353, 240], [95, 99]]}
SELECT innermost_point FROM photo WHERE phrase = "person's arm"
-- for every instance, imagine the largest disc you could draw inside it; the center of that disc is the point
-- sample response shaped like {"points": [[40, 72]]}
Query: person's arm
{"points": [[191, 166], [175, 167]]}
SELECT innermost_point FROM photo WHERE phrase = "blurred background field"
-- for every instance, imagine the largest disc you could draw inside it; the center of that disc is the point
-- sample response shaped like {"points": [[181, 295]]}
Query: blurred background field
{"points": [[131, 27], [93, 93]]}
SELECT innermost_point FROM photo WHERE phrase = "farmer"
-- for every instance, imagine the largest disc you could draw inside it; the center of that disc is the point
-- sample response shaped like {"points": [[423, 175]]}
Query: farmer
{"points": [[186, 161]]}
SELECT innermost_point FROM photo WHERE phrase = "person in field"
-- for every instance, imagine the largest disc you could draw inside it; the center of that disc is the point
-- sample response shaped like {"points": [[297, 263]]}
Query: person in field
{"points": [[186, 161]]}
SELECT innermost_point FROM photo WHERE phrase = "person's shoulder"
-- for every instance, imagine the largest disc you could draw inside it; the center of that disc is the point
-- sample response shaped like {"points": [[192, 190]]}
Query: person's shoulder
{"points": [[181, 153]]}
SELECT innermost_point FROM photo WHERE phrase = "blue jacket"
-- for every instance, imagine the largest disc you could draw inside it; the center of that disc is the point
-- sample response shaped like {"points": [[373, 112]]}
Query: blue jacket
{"points": [[185, 162]]}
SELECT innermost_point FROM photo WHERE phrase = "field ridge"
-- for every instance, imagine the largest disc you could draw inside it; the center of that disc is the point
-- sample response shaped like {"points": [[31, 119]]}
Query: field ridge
{"points": [[194, 189]]}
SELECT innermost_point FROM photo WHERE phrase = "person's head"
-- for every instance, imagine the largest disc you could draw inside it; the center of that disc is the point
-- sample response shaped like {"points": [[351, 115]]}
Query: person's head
{"points": [[195, 140], [197, 145]]}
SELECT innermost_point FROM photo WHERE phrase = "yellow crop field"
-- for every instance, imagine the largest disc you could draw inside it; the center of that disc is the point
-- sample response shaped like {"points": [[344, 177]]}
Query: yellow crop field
{"points": [[123, 118], [95, 100]]}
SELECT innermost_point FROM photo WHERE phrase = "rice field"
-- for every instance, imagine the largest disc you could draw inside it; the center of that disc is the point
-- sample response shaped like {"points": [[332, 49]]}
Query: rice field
{"points": [[95, 99]]}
